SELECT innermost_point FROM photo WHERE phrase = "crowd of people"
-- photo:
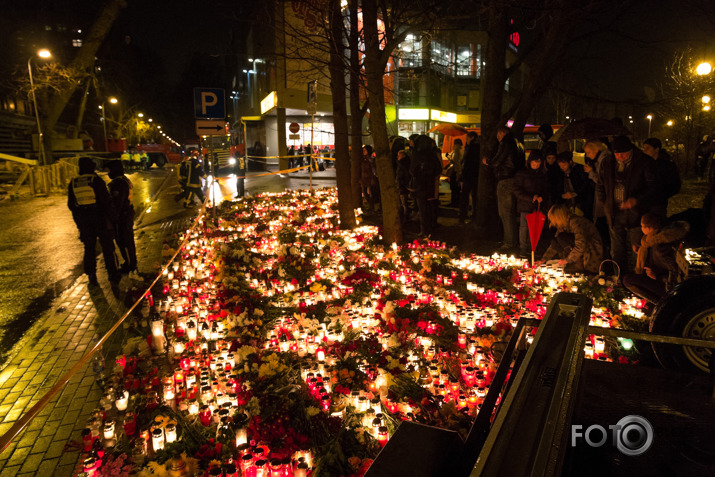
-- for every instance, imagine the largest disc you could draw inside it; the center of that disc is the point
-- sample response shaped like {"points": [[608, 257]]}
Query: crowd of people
{"points": [[611, 210]]}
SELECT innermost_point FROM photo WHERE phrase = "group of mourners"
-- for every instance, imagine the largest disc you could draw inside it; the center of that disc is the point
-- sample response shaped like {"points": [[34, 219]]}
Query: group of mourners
{"points": [[611, 209]]}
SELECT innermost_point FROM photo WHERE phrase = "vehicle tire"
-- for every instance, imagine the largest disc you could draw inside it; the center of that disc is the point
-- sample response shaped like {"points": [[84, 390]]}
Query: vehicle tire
{"points": [[688, 311], [160, 160]]}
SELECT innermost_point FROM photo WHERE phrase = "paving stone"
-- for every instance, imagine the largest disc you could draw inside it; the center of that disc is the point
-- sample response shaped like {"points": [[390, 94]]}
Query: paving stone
{"points": [[18, 456], [47, 467], [64, 470], [42, 444], [55, 449], [28, 438], [11, 471], [70, 417], [58, 413], [13, 416], [21, 402], [32, 462], [64, 432], [69, 458]]}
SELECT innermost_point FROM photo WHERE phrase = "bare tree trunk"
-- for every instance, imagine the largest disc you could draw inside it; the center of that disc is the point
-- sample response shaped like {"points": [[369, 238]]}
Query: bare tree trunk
{"points": [[356, 113], [375, 69], [494, 73], [83, 61], [340, 118]]}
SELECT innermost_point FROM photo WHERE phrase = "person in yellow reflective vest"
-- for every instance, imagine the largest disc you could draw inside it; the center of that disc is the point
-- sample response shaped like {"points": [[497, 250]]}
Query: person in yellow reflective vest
{"points": [[126, 159], [136, 160], [93, 212], [145, 161]]}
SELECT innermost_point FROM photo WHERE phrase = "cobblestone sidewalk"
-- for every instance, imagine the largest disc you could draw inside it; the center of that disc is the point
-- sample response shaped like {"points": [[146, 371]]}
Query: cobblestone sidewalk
{"points": [[75, 322]]}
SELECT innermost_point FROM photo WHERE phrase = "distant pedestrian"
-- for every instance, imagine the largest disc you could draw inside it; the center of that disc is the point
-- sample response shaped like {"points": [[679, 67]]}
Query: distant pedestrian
{"points": [[193, 182], [121, 191], [425, 167], [183, 176], [92, 210], [454, 172], [470, 177], [240, 176]]}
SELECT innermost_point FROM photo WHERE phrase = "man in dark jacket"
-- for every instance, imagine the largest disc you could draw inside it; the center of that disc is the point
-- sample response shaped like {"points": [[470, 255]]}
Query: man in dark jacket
{"points": [[626, 189], [667, 176], [120, 190], [92, 210], [425, 167], [508, 159], [470, 177]]}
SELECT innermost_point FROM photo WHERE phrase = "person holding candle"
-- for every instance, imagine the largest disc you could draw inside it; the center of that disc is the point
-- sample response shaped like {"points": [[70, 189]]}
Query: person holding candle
{"points": [[577, 243]]}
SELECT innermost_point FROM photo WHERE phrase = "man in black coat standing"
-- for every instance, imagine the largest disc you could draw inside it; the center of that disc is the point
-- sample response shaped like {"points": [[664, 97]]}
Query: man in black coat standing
{"points": [[121, 192], [627, 190], [508, 159], [667, 176], [470, 177], [92, 210]]}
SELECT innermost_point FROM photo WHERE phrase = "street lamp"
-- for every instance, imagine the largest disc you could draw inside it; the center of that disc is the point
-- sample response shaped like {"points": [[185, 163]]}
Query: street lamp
{"points": [[112, 100], [704, 69], [650, 121], [670, 123], [44, 53]]}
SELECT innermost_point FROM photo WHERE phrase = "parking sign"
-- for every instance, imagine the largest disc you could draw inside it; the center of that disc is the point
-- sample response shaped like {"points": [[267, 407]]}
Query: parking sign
{"points": [[209, 103]]}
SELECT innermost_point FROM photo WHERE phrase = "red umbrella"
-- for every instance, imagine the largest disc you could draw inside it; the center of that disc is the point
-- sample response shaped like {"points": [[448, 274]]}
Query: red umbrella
{"points": [[449, 129], [535, 221]]}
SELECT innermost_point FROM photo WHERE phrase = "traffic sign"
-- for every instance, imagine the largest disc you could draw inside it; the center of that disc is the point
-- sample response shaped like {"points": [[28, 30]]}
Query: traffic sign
{"points": [[209, 103], [294, 136], [294, 127], [207, 127]]}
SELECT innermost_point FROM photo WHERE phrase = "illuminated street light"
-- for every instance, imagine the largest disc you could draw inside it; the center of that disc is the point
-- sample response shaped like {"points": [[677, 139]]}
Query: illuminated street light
{"points": [[706, 99], [704, 69], [43, 53], [670, 123], [706, 107], [650, 121], [112, 100]]}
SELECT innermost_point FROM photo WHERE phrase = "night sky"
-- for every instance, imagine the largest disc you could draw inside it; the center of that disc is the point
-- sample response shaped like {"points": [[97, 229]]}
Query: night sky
{"points": [[159, 49]]}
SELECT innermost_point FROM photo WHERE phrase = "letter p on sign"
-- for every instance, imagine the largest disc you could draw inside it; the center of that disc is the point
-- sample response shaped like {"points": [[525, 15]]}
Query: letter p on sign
{"points": [[207, 99], [209, 103]]}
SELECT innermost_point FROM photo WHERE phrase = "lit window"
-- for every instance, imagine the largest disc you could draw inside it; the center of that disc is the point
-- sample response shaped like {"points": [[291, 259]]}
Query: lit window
{"points": [[77, 43]]}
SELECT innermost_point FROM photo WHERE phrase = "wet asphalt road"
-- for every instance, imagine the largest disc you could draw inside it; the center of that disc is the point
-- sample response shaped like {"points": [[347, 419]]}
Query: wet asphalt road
{"points": [[40, 251]]}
